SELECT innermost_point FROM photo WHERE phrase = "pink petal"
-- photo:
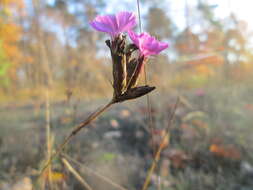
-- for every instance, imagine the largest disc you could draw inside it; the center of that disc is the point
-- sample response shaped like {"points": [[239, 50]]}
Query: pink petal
{"points": [[134, 37], [126, 21], [106, 24], [114, 24], [147, 44]]}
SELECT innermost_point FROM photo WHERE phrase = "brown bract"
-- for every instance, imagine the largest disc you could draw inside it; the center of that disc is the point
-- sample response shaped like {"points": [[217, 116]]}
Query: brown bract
{"points": [[126, 70]]}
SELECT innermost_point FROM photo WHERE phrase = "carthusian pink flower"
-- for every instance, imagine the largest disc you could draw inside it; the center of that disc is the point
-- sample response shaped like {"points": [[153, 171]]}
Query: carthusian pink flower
{"points": [[114, 24], [147, 44]]}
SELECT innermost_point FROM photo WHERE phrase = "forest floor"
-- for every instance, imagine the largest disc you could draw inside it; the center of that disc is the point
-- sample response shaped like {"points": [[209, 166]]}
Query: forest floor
{"points": [[209, 146]]}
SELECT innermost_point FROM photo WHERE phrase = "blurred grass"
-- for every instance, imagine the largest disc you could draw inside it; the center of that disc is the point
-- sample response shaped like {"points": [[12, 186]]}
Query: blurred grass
{"points": [[119, 139]]}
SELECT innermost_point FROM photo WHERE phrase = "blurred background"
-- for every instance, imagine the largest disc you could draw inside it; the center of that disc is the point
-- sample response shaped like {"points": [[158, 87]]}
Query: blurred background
{"points": [[55, 70]]}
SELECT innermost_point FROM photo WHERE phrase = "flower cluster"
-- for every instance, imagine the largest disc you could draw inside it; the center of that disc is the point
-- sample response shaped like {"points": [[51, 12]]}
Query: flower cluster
{"points": [[126, 66]]}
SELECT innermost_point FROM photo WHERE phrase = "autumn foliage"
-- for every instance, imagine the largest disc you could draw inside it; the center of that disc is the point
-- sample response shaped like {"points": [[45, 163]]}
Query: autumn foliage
{"points": [[10, 36], [225, 151]]}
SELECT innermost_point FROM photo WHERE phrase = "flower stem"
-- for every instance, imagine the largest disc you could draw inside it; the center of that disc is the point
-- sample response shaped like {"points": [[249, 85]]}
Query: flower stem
{"points": [[160, 148], [152, 168], [92, 117]]}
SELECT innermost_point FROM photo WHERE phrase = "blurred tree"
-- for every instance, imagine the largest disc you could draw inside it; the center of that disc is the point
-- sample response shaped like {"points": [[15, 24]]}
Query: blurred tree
{"points": [[80, 59], [187, 43], [10, 35], [159, 24], [4, 64], [228, 38]]}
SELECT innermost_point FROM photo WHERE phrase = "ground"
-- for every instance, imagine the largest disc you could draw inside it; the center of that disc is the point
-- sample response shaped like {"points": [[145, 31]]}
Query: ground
{"points": [[209, 145]]}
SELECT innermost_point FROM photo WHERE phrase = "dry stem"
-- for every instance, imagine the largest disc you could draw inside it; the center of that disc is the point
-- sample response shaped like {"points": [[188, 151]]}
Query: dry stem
{"points": [[96, 174], [158, 153], [92, 117], [49, 139], [76, 174]]}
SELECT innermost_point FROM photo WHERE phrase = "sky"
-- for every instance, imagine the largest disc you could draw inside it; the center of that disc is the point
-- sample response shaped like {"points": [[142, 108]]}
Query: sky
{"points": [[176, 9]]}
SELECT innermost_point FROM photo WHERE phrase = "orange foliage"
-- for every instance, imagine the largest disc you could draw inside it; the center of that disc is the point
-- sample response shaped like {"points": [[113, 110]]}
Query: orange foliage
{"points": [[214, 40], [56, 177], [8, 3], [204, 65], [10, 34], [242, 71], [215, 60], [225, 151], [204, 69]]}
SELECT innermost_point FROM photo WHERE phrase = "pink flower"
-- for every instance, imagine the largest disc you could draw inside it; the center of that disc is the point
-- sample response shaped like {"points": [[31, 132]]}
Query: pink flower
{"points": [[114, 24], [147, 44]]}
